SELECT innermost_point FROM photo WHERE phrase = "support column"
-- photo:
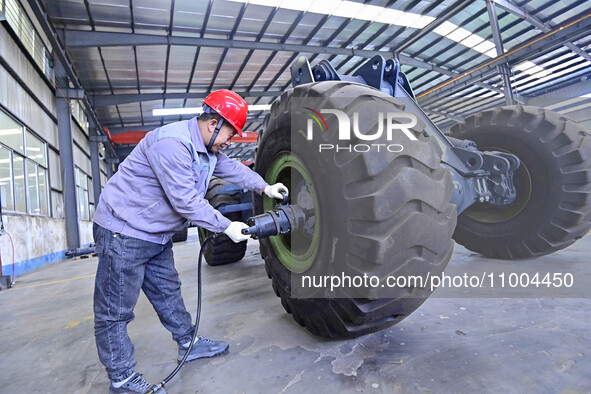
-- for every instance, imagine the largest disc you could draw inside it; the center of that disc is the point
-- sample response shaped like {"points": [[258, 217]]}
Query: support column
{"points": [[67, 159], [96, 169], [109, 168], [503, 69]]}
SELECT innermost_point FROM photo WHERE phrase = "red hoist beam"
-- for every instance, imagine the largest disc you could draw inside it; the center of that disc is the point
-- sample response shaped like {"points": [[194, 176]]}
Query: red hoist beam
{"points": [[135, 136], [129, 137], [249, 138]]}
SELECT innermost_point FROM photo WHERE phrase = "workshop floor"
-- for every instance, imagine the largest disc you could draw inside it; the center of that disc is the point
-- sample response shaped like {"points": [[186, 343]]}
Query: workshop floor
{"points": [[448, 345]]}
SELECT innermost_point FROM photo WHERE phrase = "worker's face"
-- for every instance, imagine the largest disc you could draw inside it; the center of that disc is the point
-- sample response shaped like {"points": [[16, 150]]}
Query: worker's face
{"points": [[223, 139]]}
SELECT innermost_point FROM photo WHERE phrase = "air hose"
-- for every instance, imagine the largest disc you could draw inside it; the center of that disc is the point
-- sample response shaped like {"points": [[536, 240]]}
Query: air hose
{"points": [[182, 362], [283, 219]]}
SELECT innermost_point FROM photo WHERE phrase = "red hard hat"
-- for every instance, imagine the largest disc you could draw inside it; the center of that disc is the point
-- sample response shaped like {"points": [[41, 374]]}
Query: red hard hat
{"points": [[230, 106]]}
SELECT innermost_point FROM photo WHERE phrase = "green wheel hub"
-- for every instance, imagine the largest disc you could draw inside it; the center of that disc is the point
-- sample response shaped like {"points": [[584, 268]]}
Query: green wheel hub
{"points": [[296, 250]]}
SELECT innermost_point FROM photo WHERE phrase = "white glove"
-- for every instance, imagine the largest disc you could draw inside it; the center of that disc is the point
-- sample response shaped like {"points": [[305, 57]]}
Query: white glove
{"points": [[274, 191], [234, 231]]}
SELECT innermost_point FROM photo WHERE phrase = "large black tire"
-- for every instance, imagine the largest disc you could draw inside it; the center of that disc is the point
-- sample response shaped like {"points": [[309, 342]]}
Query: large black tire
{"points": [[222, 250], [553, 205], [393, 210]]}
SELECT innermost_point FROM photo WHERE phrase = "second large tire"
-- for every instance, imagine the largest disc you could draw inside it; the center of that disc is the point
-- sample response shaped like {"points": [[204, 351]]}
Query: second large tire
{"points": [[384, 214], [553, 183], [222, 250]]}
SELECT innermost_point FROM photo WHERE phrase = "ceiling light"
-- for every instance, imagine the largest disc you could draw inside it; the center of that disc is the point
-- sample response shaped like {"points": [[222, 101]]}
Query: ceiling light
{"points": [[484, 47], [388, 16], [325, 7], [458, 34], [369, 12], [391, 16], [176, 111], [199, 110], [423, 21], [445, 28], [532, 68], [552, 74], [260, 107], [349, 9], [296, 5], [524, 66], [471, 41], [491, 53], [265, 3]]}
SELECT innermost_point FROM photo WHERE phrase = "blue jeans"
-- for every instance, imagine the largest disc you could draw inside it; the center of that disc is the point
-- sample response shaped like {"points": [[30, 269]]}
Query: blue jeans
{"points": [[126, 265]]}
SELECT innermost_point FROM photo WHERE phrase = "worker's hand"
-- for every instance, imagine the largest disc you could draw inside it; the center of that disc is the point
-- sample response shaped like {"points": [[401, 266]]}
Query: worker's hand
{"points": [[274, 191], [234, 231]]}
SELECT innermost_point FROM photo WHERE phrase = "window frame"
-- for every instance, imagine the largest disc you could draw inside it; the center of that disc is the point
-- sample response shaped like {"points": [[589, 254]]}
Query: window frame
{"points": [[44, 211], [80, 176]]}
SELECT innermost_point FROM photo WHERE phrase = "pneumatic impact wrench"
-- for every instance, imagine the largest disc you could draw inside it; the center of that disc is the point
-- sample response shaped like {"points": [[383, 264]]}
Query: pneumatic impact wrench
{"points": [[280, 220]]}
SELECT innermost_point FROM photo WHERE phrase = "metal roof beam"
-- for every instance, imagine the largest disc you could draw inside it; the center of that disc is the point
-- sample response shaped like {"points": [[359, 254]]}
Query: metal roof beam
{"points": [[104, 100], [85, 39], [444, 16], [502, 69], [73, 94], [523, 14], [569, 30], [409, 61], [77, 38], [59, 51]]}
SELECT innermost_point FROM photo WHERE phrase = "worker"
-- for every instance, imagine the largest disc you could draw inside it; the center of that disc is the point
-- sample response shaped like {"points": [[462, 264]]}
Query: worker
{"points": [[157, 189]]}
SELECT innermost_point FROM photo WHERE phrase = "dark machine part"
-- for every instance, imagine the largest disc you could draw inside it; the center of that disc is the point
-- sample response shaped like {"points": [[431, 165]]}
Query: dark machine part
{"points": [[281, 220], [384, 75], [489, 178], [478, 177]]}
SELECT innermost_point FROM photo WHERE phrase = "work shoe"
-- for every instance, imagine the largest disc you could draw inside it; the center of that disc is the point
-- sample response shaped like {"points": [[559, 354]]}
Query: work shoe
{"points": [[203, 347], [137, 384]]}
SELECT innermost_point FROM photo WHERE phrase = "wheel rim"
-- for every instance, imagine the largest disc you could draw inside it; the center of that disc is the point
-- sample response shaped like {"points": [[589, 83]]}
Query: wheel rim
{"points": [[486, 213], [296, 250], [202, 233]]}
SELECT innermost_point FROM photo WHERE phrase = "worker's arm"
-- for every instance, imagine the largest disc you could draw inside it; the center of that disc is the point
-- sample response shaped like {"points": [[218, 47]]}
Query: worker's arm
{"points": [[237, 173], [171, 162]]}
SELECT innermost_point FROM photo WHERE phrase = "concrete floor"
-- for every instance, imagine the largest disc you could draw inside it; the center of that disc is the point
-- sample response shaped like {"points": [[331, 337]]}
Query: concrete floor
{"points": [[448, 345]]}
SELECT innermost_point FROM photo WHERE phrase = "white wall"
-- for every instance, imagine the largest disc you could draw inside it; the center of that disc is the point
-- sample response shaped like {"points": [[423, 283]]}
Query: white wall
{"points": [[38, 240]]}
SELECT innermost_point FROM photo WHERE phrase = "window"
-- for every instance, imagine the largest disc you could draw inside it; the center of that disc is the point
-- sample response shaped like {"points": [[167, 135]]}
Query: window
{"points": [[23, 169], [79, 115], [11, 133], [23, 27], [20, 190], [36, 174], [35, 149], [6, 184], [82, 194]]}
